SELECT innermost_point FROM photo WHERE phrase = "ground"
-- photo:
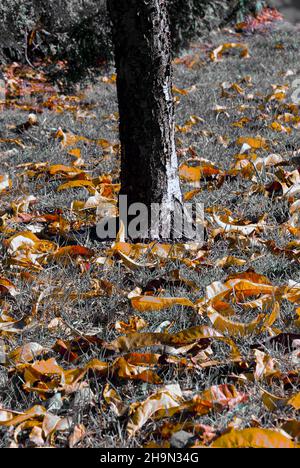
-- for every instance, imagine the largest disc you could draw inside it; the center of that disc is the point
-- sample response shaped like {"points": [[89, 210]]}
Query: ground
{"points": [[71, 306], [289, 8]]}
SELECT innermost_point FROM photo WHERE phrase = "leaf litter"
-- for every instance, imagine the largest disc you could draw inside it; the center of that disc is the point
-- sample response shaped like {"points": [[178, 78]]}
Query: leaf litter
{"points": [[152, 338]]}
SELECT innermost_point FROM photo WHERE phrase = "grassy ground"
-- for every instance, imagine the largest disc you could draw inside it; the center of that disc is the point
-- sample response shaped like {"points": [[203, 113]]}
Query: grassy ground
{"points": [[61, 314]]}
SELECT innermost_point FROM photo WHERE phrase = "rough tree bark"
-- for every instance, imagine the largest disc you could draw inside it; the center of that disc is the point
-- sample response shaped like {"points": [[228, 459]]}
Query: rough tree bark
{"points": [[142, 42]]}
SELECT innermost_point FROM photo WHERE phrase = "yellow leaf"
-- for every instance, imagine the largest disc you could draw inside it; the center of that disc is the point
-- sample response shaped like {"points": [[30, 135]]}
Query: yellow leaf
{"points": [[278, 127]]}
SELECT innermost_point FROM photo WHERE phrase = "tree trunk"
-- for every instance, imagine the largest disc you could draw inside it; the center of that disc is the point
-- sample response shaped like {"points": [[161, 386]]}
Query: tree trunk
{"points": [[142, 41]]}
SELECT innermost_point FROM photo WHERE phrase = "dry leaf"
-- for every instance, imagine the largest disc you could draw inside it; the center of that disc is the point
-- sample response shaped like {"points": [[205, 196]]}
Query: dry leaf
{"points": [[254, 438], [167, 398], [217, 54], [153, 303]]}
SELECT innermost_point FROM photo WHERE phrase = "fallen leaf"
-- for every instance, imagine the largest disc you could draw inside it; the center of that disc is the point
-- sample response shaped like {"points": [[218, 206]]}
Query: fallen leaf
{"points": [[77, 435], [254, 438], [217, 53], [167, 398], [5, 183], [114, 400], [153, 303]]}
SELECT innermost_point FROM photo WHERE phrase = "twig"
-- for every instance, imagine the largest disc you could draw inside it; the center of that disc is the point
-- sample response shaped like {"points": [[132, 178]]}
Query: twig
{"points": [[74, 330], [26, 51]]}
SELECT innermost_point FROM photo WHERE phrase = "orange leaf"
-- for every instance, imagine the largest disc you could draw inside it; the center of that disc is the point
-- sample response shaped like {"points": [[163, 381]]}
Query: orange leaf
{"points": [[135, 324], [295, 402], [75, 152], [255, 143], [153, 303], [194, 170], [217, 54], [5, 183], [253, 438], [11, 418], [7, 287], [73, 251]]}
